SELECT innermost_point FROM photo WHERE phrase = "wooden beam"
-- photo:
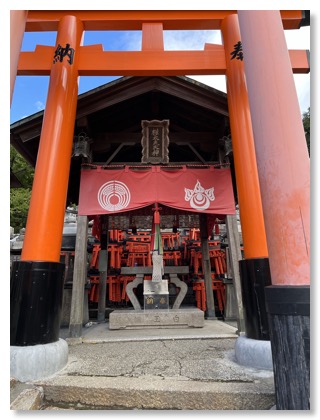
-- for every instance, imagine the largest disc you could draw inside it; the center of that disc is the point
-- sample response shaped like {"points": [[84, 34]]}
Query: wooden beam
{"points": [[103, 268], [102, 20], [102, 140], [235, 257], [192, 149], [93, 61], [82, 123], [300, 59], [79, 278], [211, 314], [152, 37], [114, 154]]}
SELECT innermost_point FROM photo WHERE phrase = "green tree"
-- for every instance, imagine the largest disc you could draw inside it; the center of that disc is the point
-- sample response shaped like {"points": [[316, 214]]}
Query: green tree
{"points": [[19, 207], [21, 168], [306, 126], [20, 197]]}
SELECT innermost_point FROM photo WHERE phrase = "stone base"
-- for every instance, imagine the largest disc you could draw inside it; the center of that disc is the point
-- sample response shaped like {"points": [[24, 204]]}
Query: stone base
{"points": [[254, 353], [29, 363], [172, 318]]}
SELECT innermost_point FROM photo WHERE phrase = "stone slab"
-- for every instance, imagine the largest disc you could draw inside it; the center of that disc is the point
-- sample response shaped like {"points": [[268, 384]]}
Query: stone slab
{"points": [[28, 399], [172, 318], [101, 393]]}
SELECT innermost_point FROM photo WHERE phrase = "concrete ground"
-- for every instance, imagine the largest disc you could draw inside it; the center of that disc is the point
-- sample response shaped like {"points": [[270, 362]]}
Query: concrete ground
{"points": [[166, 369]]}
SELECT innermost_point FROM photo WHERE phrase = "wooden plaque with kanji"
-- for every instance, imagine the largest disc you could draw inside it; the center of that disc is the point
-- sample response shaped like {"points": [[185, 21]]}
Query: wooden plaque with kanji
{"points": [[155, 141]]}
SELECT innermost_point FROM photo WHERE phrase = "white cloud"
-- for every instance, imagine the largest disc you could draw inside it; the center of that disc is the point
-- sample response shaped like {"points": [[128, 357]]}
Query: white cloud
{"points": [[39, 105], [190, 40], [131, 41]]}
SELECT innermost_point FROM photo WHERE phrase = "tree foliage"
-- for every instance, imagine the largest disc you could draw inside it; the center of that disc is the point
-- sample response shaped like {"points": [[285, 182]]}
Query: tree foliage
{"points": [[21, 168], [19, 207], [306, 126], [20, 197]]}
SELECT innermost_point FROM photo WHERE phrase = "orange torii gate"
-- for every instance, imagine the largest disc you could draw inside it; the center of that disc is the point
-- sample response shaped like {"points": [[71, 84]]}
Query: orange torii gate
{"points": [[70, 59]]}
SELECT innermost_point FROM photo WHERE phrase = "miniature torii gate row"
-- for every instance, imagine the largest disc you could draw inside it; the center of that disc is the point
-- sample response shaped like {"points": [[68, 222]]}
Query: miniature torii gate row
{"points": [[258, 68]]}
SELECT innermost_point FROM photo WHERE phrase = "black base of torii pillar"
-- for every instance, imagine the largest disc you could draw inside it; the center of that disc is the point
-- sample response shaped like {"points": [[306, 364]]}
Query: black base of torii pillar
{"points": [[288, 310], [36, 291], [255, 276]]}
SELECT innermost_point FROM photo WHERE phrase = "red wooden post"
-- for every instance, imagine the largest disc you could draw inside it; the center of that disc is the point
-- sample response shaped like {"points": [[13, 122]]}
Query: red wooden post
{"points": [[254, 269], [284, 174], [18, 20], [37, 280]]}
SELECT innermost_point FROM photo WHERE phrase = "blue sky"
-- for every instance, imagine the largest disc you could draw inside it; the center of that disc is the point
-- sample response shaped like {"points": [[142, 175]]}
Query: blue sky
{"points": [[31, 91]]}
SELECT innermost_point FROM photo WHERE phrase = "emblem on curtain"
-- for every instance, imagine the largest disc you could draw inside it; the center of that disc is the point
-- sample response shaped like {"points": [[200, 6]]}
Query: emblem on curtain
{"points": [[199, 197], [114, 196]]}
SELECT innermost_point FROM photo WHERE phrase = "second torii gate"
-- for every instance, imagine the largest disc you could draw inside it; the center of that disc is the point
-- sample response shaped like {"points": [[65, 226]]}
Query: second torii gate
{"points": [[39, 268]]}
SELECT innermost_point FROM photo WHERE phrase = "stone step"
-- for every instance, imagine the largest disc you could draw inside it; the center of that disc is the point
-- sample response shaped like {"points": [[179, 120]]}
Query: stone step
{"points": [[153, 393], [28, 398], [156, 369]]}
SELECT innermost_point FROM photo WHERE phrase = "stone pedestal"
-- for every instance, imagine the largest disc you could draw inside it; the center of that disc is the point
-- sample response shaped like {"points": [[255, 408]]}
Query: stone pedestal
{"points": [[156, 318]]}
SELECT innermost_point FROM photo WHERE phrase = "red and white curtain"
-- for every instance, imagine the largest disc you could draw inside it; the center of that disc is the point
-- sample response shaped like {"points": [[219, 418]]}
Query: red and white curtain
{"points": [[111, 191]]}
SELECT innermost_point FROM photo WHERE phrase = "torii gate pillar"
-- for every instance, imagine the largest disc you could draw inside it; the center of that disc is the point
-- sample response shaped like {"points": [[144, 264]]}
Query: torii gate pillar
{"points": [[37, 280], [17, 26], [284, 174], [254, 269]]}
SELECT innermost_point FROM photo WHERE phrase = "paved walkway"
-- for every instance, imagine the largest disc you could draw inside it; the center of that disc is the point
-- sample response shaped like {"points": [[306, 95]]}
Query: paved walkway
{"points": [[183, 368]]}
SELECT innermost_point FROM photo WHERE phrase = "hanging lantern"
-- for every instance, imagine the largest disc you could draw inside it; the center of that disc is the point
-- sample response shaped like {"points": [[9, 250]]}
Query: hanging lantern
{"points": [[81, 147]]}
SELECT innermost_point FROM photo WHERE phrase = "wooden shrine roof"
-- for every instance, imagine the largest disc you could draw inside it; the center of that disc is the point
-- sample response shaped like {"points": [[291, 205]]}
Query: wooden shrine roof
{"points": [[111, 116]]}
